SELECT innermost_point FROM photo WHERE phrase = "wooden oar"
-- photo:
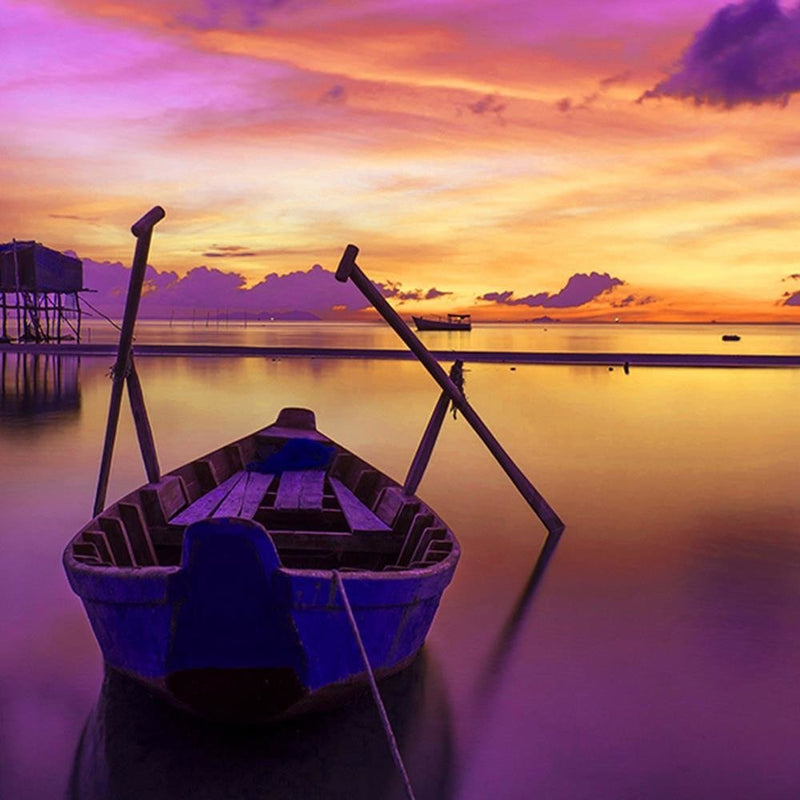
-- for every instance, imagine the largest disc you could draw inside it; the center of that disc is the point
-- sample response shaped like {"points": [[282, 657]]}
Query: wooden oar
{"points": [[143, 231], [349, 269]]}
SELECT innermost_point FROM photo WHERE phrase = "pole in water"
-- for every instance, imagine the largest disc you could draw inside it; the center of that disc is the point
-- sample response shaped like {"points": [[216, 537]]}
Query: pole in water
{"points": [[387, 726], [142, 229], [425, 449]]}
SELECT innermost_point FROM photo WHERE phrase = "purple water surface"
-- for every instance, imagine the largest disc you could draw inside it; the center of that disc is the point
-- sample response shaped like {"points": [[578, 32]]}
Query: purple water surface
{"points": [[658, 657]]}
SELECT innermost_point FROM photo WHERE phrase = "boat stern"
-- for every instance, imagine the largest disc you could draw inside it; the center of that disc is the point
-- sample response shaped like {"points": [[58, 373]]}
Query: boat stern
{"points": [[234, 652]]}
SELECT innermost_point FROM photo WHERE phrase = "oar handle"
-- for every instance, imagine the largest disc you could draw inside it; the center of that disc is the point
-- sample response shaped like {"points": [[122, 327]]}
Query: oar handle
{"points": [[148, 221], [349, 269]]}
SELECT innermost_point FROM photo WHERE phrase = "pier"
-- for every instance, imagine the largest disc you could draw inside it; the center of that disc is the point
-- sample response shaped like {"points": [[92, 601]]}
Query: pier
{"points": [[39, 294]]}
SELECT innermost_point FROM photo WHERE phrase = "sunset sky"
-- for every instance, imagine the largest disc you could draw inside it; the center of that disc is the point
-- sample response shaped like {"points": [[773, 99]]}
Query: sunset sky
{"points": [[480, 154]]}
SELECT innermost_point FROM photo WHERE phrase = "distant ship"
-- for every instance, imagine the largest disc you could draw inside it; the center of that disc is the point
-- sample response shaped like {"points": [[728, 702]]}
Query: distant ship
{"points": [[731, 337], [454, 322]]}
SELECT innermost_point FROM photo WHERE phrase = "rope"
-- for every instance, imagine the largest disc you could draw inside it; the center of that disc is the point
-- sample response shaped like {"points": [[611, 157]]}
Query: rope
{"points": [[98, 311], [387, 727]]}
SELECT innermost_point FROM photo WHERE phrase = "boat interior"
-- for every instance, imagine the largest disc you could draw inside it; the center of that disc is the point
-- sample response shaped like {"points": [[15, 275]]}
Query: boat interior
{"points": [[343, 515]]}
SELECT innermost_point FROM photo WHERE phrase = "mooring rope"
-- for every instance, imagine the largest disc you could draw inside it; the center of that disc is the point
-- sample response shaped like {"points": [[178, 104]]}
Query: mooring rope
{"points": [[99, 312], [387, 726]]}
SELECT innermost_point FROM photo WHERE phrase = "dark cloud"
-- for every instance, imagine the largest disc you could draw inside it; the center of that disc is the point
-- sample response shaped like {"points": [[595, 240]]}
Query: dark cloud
{"points": [[580, 289], [336, 94], [74, 217], [229, 251], [792, 299], [231, 14], [633, 300], [395, 291], [749, 52], [488, 104], [566, 104], [613, 80], [795, 276]]}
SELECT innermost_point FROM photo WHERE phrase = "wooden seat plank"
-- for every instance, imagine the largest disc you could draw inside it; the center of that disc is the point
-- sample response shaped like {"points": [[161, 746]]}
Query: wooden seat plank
{"points": [[231, 506], [300, 489], [359, 517], [256, 488], [335, 541], [207, 504]]}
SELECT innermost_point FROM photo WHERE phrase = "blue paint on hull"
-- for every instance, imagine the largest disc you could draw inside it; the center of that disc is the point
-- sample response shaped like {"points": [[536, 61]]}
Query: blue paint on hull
{"points": [[230, 606]]}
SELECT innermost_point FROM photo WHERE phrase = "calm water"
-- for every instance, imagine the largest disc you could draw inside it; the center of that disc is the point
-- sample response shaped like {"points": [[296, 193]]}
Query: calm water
{"points": [[659, 656]]}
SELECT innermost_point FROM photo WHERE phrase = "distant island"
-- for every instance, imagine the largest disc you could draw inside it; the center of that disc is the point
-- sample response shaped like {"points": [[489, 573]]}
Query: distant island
{"points": [[544, 319]]}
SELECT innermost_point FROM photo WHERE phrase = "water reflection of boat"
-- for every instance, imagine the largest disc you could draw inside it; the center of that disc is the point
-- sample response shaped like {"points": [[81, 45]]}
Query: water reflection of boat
{"points": [[454, 322], [38, 383], [133, 747]]}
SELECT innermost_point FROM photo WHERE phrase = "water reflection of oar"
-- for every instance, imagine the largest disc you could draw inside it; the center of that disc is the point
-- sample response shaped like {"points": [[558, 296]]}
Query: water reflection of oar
{"points": [[124, 370], [504, 645], [349, 269]]}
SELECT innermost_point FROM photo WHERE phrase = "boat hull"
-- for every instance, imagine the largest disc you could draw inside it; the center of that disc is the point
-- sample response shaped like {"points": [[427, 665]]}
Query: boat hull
{"points": [[424, 324], [232, 635]]}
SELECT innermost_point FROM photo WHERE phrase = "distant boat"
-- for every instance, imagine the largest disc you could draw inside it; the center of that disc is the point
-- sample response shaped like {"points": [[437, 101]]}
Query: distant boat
{"points": [[454, 322], [731, 337]]}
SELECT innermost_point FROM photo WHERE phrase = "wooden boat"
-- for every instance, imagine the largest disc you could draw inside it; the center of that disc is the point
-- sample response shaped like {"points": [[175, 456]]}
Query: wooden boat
{"points": [[454, 322], [219, 587]]}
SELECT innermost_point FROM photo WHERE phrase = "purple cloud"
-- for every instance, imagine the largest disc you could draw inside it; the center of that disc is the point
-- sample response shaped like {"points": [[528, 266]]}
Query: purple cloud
{"points": [[209, 290], [580, 289], [749, 52], [792, 299]]}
